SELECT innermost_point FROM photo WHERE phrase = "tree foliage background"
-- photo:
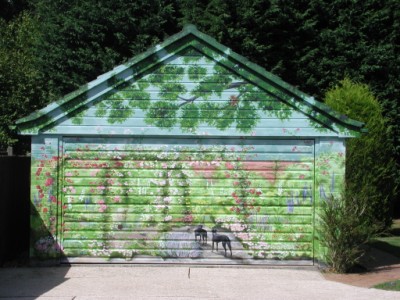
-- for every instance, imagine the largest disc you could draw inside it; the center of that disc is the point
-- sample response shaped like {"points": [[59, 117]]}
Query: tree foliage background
{"points": [[312, 44]]}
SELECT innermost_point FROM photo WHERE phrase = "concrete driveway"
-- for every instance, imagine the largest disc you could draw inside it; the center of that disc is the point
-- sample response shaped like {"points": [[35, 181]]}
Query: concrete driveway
{"points": [[175, 282]]}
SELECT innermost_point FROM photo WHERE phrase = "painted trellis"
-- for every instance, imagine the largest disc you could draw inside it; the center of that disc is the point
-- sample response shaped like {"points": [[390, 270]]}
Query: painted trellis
{"points": [[183, 140]]}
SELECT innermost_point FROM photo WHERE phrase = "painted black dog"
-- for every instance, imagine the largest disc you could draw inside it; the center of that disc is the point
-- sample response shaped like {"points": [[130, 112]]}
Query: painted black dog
{"points": [[216, 238], [201, 233]]}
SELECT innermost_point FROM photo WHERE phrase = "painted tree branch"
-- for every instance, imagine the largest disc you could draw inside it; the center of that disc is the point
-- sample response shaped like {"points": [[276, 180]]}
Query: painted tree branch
{"points": [[194, 98]]}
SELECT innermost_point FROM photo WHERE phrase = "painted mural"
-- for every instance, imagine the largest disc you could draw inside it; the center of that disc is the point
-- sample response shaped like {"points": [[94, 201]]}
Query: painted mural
{"points": [[188, 152], [138, 198]]}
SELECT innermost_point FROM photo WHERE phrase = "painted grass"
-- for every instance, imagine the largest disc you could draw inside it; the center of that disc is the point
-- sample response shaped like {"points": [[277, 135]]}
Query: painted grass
{"points": [[389, 286]]}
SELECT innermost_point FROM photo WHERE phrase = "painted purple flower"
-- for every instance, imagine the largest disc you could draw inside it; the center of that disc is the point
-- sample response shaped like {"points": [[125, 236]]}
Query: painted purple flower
{"points": [[87, 201], [305, 192], [322, 193], [290, 206]]}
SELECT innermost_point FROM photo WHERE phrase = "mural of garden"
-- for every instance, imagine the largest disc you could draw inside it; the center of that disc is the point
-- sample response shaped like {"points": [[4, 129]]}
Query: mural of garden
{"points": [[139, 198], [184, 153]]}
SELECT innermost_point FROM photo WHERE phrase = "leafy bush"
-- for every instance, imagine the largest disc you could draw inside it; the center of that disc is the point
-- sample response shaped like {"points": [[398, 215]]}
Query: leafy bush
{"points": [[370, 167], [344, 230]]}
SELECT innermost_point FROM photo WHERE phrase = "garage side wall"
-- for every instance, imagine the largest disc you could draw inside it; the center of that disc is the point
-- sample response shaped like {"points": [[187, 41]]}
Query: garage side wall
{"points": [[45, 203], [329, 181]]}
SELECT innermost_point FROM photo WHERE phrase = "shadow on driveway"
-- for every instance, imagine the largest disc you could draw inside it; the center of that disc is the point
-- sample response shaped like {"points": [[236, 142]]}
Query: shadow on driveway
{"points": [[30, 283]]}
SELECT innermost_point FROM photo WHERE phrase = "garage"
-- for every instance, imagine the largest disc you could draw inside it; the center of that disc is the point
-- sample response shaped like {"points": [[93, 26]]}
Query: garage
{"points": [[187, 153]]}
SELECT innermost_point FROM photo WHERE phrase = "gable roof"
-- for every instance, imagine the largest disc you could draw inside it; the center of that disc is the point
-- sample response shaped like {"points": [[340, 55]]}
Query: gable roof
{"points": [[189, 37]]}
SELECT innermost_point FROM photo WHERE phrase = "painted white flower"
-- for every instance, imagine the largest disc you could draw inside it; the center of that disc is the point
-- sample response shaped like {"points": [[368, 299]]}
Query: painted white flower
{"points": [[280, 189]]}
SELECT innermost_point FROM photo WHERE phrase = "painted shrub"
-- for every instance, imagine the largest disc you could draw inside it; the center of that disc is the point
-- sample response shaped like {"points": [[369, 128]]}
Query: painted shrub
{"points": [[187, 134]]}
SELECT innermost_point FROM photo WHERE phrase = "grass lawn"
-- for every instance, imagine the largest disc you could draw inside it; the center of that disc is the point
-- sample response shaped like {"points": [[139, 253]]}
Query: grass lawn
{"points": [[389, 286], [390, 244]]}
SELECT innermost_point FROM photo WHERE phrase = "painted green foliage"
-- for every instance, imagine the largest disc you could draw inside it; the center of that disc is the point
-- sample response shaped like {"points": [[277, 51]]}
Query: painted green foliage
{"points": [[189, 85], [186, 95], [192, 94]]}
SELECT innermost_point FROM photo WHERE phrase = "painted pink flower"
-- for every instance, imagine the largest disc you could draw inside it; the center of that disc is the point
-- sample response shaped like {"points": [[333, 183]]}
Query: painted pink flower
{"points": [[49, 181], [102, 204], [38, 172], [102, 208], [118, 164], [188, 218], [117, 199], [229, 166], [302, 176]]}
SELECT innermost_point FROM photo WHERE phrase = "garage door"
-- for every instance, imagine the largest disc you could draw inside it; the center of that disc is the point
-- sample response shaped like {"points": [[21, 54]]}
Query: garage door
{"points": [[185, 200]]}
